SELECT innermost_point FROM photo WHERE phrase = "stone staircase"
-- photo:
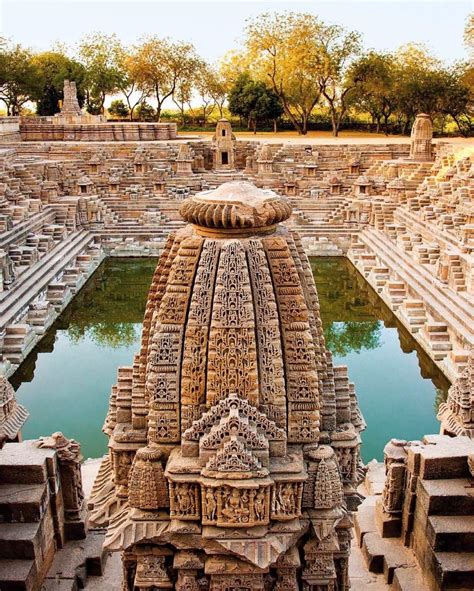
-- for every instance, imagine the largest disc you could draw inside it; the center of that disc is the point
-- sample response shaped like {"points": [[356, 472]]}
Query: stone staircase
{"points": [[34, 553], [430, 547]]}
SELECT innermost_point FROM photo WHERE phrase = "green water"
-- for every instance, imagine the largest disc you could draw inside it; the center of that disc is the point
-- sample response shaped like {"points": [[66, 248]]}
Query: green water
{"points": [[65, 382]]}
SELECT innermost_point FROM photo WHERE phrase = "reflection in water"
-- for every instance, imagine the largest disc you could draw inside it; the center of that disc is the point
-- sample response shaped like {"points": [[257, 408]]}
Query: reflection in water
{"points": [[398, 386], [100, 331]]}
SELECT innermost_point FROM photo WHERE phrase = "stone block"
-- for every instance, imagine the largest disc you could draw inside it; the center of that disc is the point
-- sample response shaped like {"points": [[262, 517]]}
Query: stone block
{"points": [[17, 575], [24, 463], [22, 502], [388, 525]]}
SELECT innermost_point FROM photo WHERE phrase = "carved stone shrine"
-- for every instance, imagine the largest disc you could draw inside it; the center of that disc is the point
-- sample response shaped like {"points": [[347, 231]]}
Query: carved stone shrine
{"points": [[234, 442]]}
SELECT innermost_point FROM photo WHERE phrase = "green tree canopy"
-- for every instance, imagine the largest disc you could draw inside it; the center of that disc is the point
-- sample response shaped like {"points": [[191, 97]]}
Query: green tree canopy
{"points": [[97, 53], [53, 68], [118, 109], [20, 79], [253, 101]]}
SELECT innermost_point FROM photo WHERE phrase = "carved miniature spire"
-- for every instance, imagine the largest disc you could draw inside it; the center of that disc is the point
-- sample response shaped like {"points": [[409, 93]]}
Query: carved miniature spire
{"points": [[12, 414], [456, 414]]}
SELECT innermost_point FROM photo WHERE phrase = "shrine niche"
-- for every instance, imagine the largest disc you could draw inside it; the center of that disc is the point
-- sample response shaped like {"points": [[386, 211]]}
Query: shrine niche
{"points": [[234, 459]]}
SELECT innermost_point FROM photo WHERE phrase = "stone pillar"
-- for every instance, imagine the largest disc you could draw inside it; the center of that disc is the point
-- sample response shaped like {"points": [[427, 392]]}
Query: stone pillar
{"points": [[69, 461]]}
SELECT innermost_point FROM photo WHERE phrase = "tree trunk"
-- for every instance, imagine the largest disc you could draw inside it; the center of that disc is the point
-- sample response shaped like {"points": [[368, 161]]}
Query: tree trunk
{"points": [[254, 126], [275, 126], [304, 126]]}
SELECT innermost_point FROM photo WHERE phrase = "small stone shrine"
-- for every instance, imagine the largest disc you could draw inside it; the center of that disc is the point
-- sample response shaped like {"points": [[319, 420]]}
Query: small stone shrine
{"points": [[70, 105], [223, 146], [421, 138], [457, 413], [234, 442]]}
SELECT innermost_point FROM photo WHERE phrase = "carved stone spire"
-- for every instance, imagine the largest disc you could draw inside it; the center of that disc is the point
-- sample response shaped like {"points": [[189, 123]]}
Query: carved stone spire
{"points": [[222, 410], [12, 414]]}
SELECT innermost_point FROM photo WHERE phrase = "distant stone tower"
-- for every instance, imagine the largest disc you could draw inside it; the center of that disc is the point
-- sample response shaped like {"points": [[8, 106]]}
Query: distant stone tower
{"points": [[234, 442], [70, 104], [421, 138], [223, 146]]}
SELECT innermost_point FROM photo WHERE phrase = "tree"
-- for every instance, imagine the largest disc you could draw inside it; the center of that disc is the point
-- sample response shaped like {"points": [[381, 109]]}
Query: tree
{"points": [[118, 109], [124, 63], [53, 67], [417, 83], [337, 48], [145, 112], [374, 76], [186, 82], [253, 101], [19, 77], [469, 34], [98, 54], [160, 65], [303, 60], [456, 97], [284, 50], [211, 89]]}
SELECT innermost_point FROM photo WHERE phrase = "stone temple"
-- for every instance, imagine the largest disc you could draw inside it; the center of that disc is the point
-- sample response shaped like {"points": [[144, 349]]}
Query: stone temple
{"points": [[234, 456]]}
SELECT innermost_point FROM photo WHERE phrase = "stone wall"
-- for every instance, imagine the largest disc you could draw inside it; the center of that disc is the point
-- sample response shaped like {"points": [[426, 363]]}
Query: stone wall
{"points": [[47, 129]]}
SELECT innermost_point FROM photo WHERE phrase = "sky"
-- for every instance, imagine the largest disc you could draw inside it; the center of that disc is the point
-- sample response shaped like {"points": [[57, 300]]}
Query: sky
{"points": [[216, 27]]}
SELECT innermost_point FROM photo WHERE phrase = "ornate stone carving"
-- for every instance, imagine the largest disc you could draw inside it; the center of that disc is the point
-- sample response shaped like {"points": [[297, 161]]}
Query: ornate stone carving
{"points": [[147, 486], [12, 414], [230, 379], [69, 460], [184, 500]]}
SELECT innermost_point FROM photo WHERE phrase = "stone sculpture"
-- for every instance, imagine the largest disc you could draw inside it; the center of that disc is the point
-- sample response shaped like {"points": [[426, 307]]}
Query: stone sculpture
{"points": [[229, 443]]}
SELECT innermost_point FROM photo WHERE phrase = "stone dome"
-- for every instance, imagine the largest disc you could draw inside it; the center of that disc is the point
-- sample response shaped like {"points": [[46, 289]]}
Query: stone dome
{"points": [[236, 205]]}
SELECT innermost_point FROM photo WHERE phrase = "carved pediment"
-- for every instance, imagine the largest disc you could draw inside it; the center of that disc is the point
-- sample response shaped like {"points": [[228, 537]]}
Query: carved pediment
{"points": [[234, 457], [223, 408]]}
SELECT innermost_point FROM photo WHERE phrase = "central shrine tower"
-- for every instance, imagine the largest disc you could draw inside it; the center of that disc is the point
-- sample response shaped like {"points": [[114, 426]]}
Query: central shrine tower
{"points": [[234, 442]]}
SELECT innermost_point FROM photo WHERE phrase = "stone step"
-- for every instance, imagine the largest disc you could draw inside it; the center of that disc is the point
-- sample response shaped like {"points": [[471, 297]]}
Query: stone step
{"points": [[454, 570], [451, 533], [385, 556], [20, 540], [453, 496], [409, 579], [17, 575], [22, 502]]}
